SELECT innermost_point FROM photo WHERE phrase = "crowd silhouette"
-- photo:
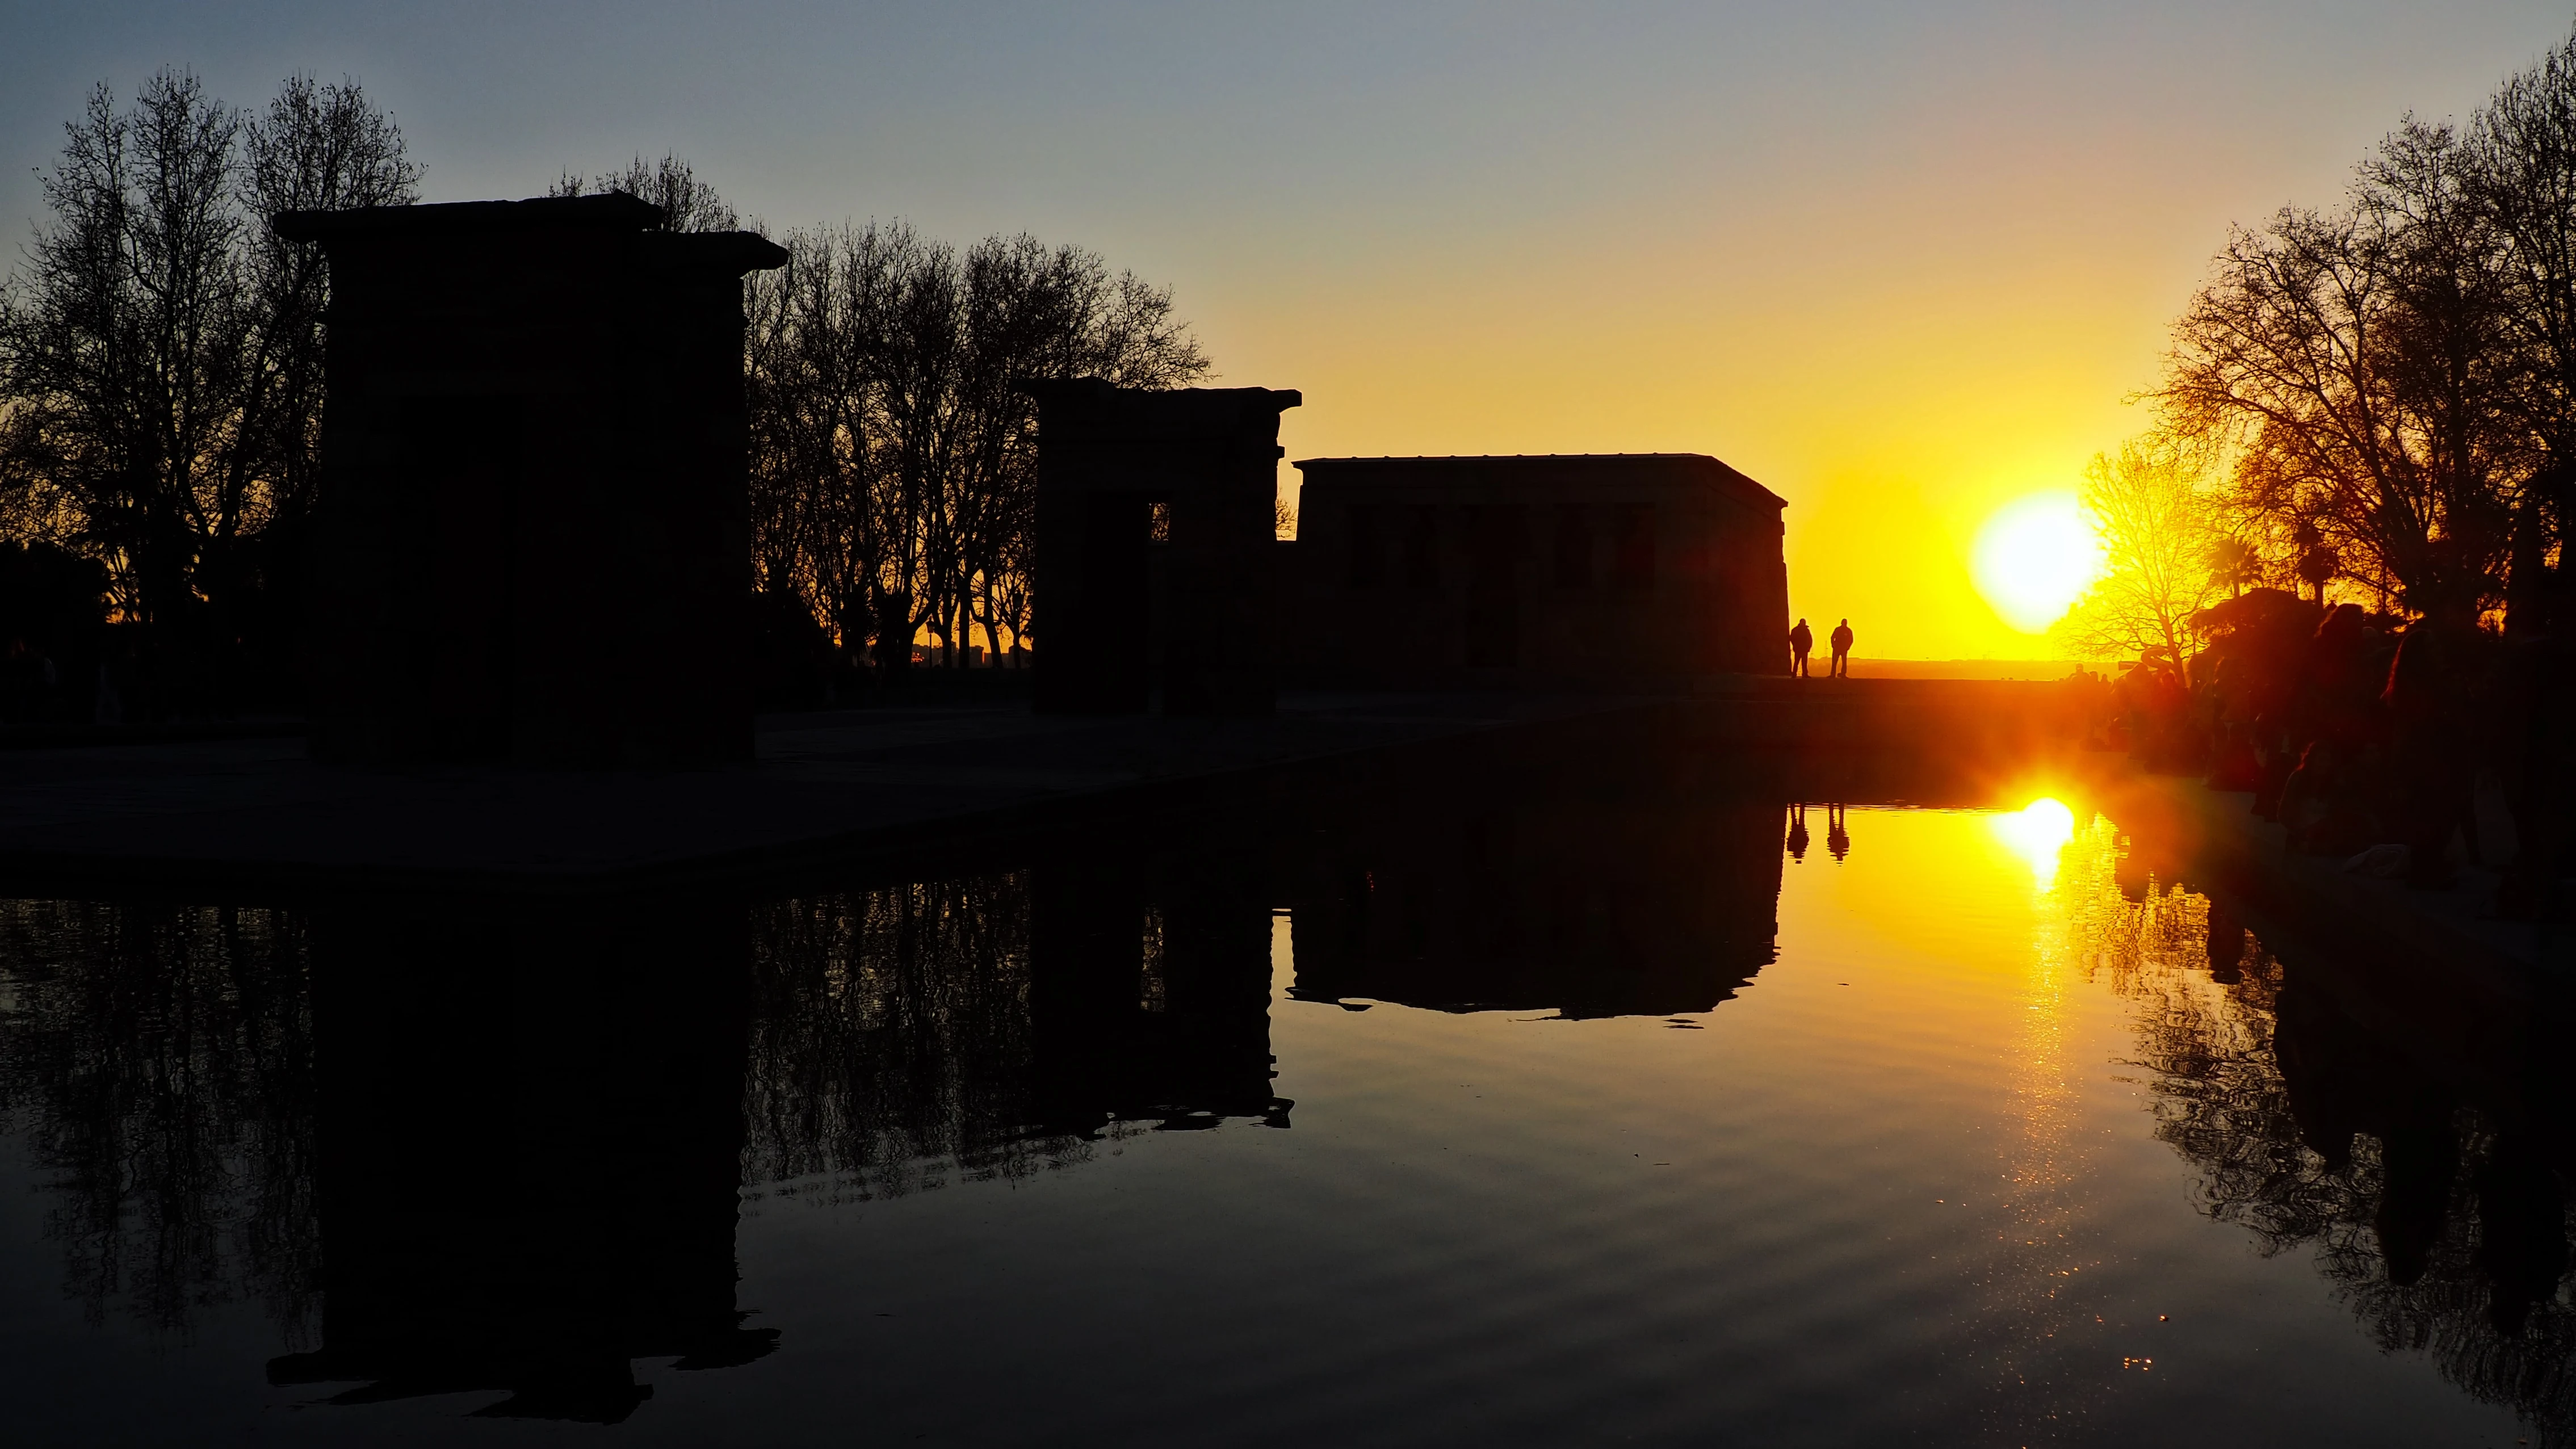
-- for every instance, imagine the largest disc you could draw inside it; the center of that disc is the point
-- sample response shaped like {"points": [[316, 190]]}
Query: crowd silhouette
{"points": [[2425, 744]]}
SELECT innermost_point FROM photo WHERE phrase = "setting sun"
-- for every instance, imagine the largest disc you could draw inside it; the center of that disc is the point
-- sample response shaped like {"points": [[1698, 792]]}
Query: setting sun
{"points": [[2034, 558]]}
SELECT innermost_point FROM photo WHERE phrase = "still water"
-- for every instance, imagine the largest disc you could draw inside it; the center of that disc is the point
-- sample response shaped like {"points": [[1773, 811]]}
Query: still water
{"points": [[1652, 1115]]}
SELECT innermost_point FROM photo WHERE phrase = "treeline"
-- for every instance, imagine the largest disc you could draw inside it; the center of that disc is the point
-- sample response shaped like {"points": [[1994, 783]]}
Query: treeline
{"points": [[2374, 401], [161, 390], [161, 408], [893, 455], [2337, 562]]}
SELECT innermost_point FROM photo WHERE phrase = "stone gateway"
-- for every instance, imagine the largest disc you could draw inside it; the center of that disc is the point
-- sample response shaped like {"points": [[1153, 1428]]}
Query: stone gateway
{"points": [[532, 531], [1155, 543]]}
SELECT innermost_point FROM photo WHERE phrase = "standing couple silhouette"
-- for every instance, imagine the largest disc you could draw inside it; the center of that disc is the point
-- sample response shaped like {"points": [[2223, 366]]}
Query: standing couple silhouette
{"points": [[1802, 642]]}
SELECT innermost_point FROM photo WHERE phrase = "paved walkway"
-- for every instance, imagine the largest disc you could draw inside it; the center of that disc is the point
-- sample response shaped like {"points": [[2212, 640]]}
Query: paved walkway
{"points": [[830, 783]]}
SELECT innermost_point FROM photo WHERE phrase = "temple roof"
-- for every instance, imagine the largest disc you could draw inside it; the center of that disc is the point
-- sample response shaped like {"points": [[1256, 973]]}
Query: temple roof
{"points": [[1712, 469], [610, 212]]}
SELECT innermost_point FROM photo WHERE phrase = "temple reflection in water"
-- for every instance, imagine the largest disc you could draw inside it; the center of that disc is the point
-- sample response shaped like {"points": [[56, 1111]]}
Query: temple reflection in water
{"points": [[1587, 897], [534, 1119], [499, 1143], [527, 1144]]}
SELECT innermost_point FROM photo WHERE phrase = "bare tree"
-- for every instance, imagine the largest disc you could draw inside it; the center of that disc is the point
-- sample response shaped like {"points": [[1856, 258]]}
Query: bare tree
{"points": [[2155, 520], [160, 353], [688, 204], [815, 524], [2450, 371], [2394, 381], [120, 348], [2521, 174], [1037, 311], [908, 305], [2338, 358], [895, 457], [317, 148]]}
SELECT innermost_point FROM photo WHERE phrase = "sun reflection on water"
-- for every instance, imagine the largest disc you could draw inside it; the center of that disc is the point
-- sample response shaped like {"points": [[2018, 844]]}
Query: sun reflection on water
{"points": [[2037, 833], [2049, 1237]]}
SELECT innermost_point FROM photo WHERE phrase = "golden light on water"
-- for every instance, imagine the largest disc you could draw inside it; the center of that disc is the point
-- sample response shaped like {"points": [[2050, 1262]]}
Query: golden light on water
{"points": [[2037, 833], [2034, 559]]}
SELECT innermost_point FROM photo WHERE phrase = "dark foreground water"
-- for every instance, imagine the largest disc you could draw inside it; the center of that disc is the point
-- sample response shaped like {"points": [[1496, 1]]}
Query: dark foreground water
{"points": [[1560, 1113]]}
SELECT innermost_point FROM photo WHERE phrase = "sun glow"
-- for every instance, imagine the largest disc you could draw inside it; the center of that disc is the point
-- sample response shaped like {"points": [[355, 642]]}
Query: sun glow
{"points": [[2034, 559], [2037, 832]]}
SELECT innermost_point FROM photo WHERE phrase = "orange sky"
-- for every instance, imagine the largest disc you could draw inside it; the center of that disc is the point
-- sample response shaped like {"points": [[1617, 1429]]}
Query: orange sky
{"points": [[1899, 322], [1894, 423], [1898, 262], [1895, 390]]}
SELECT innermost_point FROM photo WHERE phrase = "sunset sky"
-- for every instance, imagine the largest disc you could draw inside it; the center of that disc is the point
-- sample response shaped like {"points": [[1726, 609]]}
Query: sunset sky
{"points": [[1898, 262]]}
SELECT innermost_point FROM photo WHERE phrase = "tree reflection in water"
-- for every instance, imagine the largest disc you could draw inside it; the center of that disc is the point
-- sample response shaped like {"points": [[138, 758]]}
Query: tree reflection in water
{"points": [[158, 1065], [890, 1038], [464, 1143], [1003, 1024], [2424, 1193]]}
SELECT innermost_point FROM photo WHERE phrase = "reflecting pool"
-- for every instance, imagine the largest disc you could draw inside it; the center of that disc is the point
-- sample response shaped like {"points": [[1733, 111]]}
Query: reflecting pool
{"points": [[1583, 1112]]}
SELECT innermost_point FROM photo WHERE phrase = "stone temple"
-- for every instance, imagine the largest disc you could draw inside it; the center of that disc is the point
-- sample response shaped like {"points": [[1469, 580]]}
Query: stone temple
{"points": [[1156, 546], [1158, 583]]}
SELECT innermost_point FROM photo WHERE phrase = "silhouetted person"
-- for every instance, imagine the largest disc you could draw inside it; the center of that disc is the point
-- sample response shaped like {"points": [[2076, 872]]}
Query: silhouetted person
{"points": [[1837, 839], [1802, 642], [1798, 832], [28, 687], [108, 705], [2322, 803], [2433, 781], [2533, 709], [2336, 694], [1840, 668]]}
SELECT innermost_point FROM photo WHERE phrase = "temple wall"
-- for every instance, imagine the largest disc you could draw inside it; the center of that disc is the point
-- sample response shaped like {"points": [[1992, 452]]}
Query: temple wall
{"points": [[1521, 572]]}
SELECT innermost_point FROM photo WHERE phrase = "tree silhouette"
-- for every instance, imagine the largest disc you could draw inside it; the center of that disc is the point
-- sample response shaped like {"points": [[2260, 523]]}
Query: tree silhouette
{"points": [[2391, 383], [688, 204], [2158, 528], [160, 356], [893, 456]]}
